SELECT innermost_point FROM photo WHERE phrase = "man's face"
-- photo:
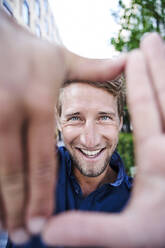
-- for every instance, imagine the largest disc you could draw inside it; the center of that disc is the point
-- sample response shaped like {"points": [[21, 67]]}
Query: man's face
{"points": [[90, 126]]}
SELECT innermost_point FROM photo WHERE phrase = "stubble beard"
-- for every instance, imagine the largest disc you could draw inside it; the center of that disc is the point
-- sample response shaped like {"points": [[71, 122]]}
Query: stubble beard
{"points": [[90, 172]]}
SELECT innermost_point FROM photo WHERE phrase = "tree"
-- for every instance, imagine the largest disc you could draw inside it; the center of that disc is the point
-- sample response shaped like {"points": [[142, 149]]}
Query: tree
{"points": [[140, 17], [135, 20]]}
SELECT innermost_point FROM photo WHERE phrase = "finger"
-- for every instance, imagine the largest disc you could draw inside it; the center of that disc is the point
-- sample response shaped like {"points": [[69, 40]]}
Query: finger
{"points": [[12, 180], [41, 155], [141, 100], [87, 229], [94, 69], [154, 52], [2, 214]]}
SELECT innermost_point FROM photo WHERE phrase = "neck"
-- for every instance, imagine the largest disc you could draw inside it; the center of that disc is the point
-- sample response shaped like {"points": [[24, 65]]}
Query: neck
{"points": [[90, 184]]}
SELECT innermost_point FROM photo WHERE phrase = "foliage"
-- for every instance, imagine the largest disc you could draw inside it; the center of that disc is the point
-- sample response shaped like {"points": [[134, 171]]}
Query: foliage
{"points": [[136, 19], [126, 150], [126, 120], [140, 17]]}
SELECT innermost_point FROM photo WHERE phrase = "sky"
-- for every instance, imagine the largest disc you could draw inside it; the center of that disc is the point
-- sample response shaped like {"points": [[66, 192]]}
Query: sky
{"points": [[86, 26]]}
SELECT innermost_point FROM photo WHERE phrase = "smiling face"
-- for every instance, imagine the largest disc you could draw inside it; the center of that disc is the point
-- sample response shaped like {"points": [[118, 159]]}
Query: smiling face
{"points": [[90, 125]]}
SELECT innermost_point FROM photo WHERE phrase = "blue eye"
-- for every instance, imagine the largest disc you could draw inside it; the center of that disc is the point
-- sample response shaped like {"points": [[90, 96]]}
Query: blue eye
{"points": [[74, 118], [105, 118]]}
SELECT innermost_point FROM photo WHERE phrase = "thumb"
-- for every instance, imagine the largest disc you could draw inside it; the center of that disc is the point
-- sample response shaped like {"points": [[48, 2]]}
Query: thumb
{"points": [[77, 229], [82, 69]]}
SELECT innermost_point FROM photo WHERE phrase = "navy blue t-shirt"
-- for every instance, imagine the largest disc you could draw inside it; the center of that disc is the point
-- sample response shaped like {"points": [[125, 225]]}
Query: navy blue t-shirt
{"points": [[110, 197]]}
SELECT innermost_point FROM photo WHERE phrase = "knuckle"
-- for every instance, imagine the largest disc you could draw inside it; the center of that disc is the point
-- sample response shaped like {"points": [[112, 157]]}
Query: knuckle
{"points": [[14, 219], [139, 100], [8, 110], [13, 196], [42, 188], [12, 185], [43, 174], [38, 105], [41, 205]]}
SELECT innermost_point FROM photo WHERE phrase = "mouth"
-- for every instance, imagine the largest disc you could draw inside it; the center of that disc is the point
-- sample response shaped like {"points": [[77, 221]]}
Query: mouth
{"points": [[91, 154]]}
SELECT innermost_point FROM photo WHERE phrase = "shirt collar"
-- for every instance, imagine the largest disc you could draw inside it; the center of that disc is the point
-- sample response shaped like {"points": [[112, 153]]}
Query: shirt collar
{"points": [[117, 164]]}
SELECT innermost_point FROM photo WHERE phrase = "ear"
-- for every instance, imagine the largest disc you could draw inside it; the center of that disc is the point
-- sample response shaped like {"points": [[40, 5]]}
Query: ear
{"points": [[121, 123]]}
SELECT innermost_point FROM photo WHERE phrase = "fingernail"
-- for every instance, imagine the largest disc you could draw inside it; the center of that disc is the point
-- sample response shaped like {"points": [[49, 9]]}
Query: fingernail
{"points": [[36, 224], [19, 236]]}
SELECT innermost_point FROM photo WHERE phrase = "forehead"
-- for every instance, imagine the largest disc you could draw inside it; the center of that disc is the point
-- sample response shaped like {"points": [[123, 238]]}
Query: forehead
{"points": [[84, 97]]}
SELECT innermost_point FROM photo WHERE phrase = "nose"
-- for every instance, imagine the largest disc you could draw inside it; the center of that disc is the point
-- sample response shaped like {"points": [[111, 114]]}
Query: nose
{"points": [[90, 136]]}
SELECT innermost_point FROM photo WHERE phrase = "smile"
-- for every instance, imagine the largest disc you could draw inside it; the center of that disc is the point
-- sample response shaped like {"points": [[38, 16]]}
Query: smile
{"points": [[91, 154]]}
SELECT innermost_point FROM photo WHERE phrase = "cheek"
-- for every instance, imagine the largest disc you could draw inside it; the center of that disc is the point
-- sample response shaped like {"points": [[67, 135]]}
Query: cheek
{"points": [[110, 133], [70, 133]]}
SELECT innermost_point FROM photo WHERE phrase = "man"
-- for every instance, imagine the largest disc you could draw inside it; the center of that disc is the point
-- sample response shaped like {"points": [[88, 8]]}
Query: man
{"points": [[90, 129], [91, 174], [28, 96]]}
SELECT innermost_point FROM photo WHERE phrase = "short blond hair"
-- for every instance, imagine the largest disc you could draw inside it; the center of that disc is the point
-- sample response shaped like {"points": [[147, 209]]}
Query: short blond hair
{"points": [[115, 87]]}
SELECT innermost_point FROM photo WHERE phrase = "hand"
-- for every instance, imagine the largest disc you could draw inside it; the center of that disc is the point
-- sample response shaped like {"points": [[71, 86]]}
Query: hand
{"points": [[142, 223], [31, 72]]}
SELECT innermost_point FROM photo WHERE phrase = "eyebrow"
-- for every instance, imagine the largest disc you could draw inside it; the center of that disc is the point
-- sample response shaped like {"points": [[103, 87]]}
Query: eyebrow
{"points": [[107, 113], [100, 113], [72, 114]]}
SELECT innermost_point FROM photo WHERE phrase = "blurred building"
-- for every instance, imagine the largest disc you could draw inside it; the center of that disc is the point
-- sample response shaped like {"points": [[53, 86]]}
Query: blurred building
{"points": [[36, 15]]}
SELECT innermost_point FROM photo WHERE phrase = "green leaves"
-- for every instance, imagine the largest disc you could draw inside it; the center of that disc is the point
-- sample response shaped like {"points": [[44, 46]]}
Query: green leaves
{"points": [[126, 150], [139, 17]]}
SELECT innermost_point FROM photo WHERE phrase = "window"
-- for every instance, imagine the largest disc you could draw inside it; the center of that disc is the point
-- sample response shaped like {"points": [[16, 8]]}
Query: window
{"points": [[52, 37], [7, 8], [46, 5], [37, 8], [26, 13], [46, 27], [38, 30], [52, 20]]}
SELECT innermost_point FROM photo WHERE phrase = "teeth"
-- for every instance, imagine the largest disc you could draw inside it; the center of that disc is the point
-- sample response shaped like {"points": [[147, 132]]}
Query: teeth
{"points": [[90, 153]]}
